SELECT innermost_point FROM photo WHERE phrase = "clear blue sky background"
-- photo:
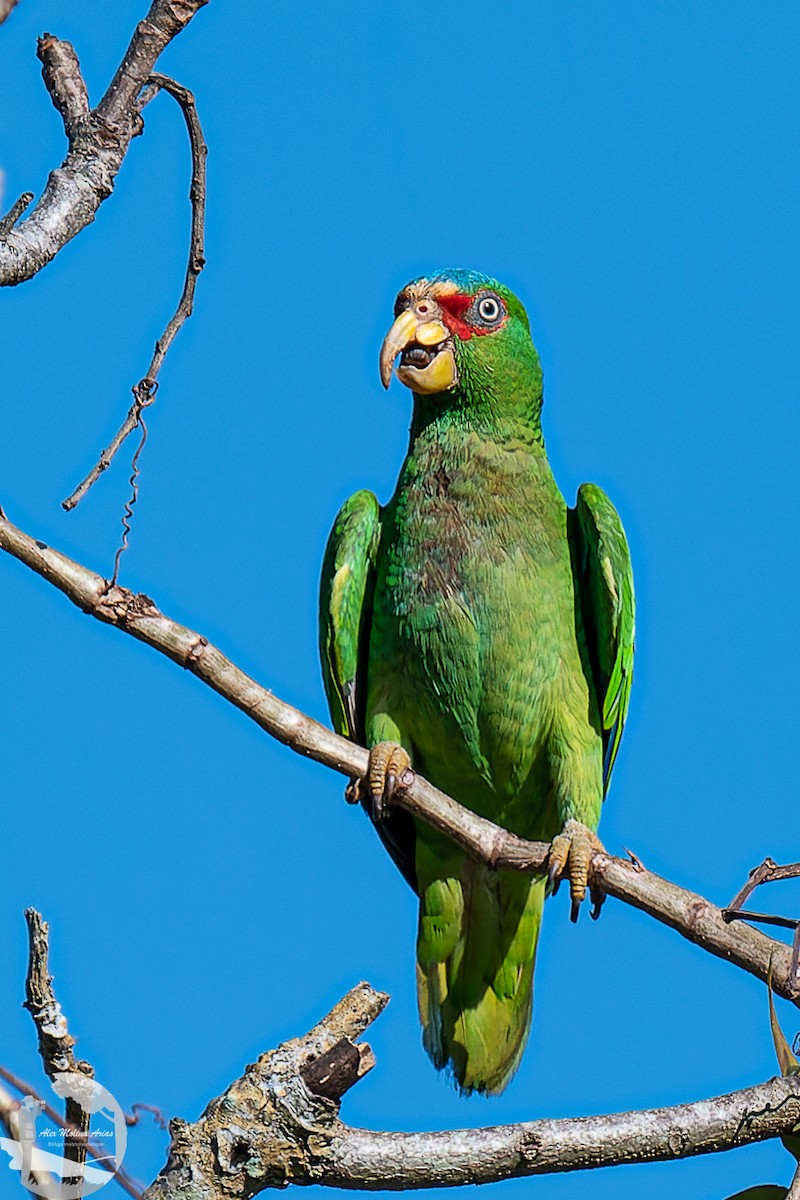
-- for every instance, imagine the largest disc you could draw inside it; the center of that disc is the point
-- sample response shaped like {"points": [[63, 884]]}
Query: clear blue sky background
{"points": [[632, 172]]}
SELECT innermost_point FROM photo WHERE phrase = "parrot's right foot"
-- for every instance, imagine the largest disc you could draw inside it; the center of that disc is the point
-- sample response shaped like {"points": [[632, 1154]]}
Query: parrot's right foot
{"points": [[571, 854], [389, 772]]}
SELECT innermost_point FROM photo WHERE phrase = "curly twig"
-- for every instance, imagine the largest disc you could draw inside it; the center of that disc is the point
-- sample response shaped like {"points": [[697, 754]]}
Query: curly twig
{"points": [[144, 392]]}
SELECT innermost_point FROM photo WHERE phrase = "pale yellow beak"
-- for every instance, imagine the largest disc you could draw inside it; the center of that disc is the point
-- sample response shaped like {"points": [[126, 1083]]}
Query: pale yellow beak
{"points": [[430, 364]]}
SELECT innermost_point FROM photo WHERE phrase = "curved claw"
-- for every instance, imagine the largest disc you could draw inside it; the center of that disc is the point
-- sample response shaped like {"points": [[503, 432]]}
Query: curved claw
{"points": [[571, 854], [598, 898], [389, 772], [553, 882]]}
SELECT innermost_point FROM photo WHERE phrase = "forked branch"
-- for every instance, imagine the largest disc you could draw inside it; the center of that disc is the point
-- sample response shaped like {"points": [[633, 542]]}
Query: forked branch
{"points": [[274, 1127], [98, 139], [279, 1122]]}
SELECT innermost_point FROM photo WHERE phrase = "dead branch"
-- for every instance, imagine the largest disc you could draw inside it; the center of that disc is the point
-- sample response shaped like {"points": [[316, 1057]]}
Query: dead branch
{"points": [[15, 212], [61, 72], [6, 7], [56, 1047], [694, 917], [273, 1126], [55, 1041], [98, 143], [97, 1152], [144, 392], [769, 872]]}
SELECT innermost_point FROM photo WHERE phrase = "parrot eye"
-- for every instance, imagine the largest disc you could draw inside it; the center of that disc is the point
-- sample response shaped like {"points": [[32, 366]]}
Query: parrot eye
{"points": [[489, 309]]}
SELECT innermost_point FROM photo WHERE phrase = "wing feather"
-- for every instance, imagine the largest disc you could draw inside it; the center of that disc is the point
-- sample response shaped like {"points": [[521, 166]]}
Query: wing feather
{"points": [[604, 584], [345, 610], [345, 621]]}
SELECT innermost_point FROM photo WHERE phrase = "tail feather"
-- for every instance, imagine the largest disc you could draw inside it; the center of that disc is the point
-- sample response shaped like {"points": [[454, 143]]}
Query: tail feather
{"points": [[477, 940]]}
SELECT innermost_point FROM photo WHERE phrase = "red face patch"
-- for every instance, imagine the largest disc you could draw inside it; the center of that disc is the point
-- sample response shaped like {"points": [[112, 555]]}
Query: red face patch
{"points": [[454, 310]]}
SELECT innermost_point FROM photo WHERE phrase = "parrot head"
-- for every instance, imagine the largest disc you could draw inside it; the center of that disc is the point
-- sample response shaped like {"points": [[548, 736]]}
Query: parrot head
{"points": [[461, 336]]}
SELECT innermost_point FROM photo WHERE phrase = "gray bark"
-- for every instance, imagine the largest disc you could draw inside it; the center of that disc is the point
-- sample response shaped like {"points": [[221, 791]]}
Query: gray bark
{"points": [[98, 140]]}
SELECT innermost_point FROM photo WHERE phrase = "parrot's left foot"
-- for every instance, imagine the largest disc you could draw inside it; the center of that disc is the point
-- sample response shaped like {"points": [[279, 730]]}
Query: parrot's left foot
{"points": [[389, 771], [571, 852]]}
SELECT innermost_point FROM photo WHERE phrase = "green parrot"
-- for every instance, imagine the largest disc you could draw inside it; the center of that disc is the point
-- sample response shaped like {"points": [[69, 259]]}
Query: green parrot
{"points": [[480, 632]]}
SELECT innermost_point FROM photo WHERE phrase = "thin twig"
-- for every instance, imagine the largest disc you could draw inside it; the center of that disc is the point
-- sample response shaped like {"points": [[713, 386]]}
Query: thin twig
{"points": [[44, 1184], [15, 212], [99, 1153], [139, 1107], [134, 496], [694, 917], [27, 1089], [766, 872], [769, 872], [744, 914], [144, 391]]}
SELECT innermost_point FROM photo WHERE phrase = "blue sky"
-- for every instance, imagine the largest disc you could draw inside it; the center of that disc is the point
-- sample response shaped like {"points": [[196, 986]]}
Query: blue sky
{"points": [[632, 172]]}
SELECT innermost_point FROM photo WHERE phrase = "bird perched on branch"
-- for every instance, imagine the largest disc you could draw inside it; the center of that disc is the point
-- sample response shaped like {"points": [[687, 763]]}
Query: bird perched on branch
{"points": [[479, 631]]}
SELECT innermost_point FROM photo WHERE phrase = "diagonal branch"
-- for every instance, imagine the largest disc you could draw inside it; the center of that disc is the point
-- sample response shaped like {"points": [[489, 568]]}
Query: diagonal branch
{"points": [[98, 1152], [98, 143], [694, 917], [44, 1184]]}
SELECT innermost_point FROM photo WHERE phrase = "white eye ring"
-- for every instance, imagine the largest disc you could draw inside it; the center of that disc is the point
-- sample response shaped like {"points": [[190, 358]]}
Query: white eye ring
{"points": [[489, 309]]}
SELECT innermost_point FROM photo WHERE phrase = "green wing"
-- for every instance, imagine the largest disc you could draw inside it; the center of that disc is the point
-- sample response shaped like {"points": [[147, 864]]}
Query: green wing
{"points": [[345, 619], [604, 585], [345, 610]]}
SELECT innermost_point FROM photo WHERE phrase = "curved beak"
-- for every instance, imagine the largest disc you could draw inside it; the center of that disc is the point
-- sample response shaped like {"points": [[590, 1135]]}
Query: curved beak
{"points": [[428, 363]]}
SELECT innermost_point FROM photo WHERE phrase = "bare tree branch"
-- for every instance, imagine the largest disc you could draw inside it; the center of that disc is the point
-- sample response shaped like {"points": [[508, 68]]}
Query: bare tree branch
{"points": [[61, 72], [98, 1152], [98, 144], [144, 392], [6, 7], [272, 1127], [136, 614], [55, 1041], [15, 212], [56, 1047]]}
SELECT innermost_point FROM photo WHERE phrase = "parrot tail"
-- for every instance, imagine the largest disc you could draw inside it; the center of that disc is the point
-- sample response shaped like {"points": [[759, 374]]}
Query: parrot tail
{"points": [[476, 947]]}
